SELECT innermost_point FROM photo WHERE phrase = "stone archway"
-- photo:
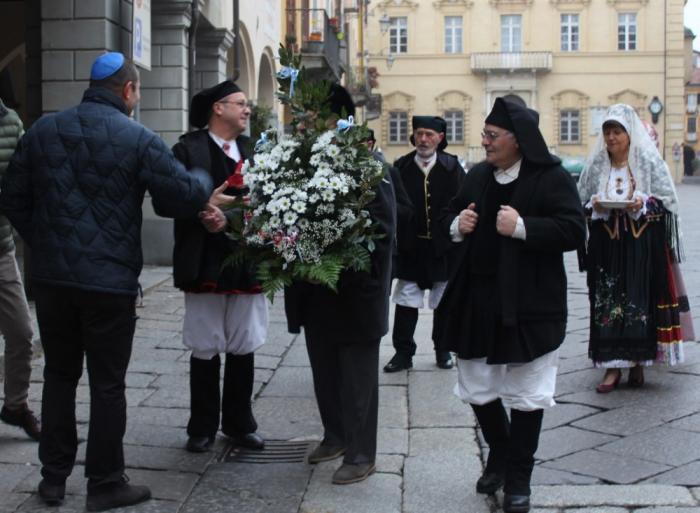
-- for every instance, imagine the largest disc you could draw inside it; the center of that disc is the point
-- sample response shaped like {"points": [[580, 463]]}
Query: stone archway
{"points": [[266, 80], [246, 78]]}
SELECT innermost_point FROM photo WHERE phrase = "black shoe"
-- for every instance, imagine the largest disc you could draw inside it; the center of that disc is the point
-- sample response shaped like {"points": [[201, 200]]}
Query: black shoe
{"points": [[443, 359], [115, 495], [349, 473], [489, 483], [249, 441], [398, 363], [52, 493], [22, 417], [199, 443], [516, 503], [325, 453]]}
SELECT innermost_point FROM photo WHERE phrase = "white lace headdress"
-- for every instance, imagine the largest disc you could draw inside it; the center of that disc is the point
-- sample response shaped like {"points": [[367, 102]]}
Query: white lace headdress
{"points": [[650, 171]]}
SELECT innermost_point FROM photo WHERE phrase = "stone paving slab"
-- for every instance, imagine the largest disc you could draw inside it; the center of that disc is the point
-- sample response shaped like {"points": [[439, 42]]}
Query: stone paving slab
{"points": [[567, 496], [624, 421], [432, 403], [621, 469], [393, 407], [662, 444], [283, 418], [688, 475], [543, 475], [290, 382], [564, 440], [248, 488], [440, 472]]}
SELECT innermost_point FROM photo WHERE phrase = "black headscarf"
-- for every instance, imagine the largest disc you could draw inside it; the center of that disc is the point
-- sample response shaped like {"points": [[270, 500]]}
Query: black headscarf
{"points": [[523, 124]]}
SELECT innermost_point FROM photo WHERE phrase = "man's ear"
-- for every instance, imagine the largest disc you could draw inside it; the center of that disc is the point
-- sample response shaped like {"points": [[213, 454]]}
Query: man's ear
{"points": [[128, 89]]}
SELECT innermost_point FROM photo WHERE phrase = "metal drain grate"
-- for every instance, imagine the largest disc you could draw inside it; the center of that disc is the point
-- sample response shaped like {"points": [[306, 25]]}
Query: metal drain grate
{"points": [[275, 451]]}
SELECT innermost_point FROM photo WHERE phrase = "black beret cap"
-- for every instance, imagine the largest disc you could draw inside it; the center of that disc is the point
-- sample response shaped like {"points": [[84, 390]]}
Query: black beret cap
{"points": [[200, 108], [431, 122]]}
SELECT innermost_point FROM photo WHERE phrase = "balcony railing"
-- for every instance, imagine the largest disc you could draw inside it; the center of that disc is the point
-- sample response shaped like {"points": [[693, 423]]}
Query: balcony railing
{"points": [[314, 34], [511, 61]]}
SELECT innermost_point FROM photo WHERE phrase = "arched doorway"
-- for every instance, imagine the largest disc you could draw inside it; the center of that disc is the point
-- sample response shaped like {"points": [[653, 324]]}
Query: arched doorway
{"points": [[246, 68], [266, 80]]}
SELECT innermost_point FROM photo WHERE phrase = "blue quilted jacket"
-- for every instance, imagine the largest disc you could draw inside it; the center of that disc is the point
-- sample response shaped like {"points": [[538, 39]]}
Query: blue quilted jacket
{"points": [[74, 190]]}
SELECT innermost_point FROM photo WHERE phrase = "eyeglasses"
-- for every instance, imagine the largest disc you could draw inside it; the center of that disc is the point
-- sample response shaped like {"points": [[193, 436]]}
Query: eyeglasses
{"points": [[241, 103], [491, 135]]}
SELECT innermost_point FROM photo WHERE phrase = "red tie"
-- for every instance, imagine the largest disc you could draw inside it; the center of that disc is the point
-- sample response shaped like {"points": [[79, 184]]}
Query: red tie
{"points": [[226, 147], [425, 163]]}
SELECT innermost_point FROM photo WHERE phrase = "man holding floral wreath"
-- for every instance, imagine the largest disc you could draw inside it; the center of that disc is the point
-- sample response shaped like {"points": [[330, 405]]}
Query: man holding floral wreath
{"points": [[430, 177], [225, 311], [343, 329]]}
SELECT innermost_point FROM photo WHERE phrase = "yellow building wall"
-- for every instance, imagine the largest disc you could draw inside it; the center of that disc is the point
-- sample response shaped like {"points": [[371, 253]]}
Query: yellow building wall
{"points": [[425, 80]]}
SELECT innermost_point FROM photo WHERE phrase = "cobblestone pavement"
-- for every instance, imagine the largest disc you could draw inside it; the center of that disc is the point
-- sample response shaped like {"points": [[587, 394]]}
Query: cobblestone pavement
{"points": [[634, 450]]}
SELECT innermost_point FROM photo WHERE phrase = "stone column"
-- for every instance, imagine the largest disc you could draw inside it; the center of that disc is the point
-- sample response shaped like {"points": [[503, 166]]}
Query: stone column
{"points": [[212, 48], [164, 88], [73, 33]]}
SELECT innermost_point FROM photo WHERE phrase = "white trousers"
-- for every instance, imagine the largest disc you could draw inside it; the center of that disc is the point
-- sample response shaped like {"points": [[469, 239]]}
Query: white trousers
{"points": [[523, 386], [224, 323], [407, 293]]}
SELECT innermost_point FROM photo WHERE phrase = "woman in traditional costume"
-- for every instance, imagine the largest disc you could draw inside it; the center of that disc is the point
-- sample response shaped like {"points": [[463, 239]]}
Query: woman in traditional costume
{"points": [[636, 295]]}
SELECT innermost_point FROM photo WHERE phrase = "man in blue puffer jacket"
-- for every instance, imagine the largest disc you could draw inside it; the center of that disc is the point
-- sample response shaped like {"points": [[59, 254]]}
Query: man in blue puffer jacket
{"points": [[73, 190]]}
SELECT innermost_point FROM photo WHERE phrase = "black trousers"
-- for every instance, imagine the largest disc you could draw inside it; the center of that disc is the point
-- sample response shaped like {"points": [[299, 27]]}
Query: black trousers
{"points": [[76, 324], [346, 383], [206, 401], [405, 321]]}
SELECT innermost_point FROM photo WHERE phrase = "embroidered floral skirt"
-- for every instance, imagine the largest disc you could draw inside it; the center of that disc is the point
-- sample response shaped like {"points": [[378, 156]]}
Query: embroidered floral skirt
{"points": [[634, 306]]}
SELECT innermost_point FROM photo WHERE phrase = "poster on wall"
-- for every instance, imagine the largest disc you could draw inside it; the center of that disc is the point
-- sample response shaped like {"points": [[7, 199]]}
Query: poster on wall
{"points": [[141, 34]]}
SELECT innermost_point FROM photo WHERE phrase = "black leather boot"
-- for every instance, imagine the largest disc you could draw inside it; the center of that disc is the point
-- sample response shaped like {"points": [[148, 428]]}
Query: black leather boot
{"points": [[205, 403], [405, 320], [525, 429], [495, 427]]}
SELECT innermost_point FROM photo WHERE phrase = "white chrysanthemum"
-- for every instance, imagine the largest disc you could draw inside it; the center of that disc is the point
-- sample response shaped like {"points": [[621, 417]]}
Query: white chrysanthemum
{"points": [[314, 198], [327, 195], [332, 151], [299, 206], [268, 188], [290, 218], [284, 203]]}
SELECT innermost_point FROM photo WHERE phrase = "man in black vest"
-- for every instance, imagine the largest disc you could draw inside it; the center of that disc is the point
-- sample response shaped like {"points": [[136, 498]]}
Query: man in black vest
{"points": [[430, 177], [225, 310]]}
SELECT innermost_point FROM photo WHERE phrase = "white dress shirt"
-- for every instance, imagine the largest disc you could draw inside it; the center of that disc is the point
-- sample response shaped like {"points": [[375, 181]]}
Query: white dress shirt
{"points": [[232, 152]]}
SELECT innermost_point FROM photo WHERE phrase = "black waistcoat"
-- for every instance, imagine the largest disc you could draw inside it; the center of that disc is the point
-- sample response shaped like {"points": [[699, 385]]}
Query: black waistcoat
{"points": [[198, 255]]}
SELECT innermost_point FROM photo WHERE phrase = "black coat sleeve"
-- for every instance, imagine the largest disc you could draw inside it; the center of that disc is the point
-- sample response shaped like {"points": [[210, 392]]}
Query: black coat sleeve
{"points": [[560, 226], [175, 191]]}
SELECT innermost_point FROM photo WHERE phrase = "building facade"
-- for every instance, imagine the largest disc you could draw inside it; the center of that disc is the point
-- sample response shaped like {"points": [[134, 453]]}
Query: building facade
{"points": [[48, 46], [568, 59]]}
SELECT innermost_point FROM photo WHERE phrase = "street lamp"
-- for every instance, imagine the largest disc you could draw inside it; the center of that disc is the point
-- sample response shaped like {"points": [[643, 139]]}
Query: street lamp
{"points": [[390, 60], [384, 23], [655, 107]]}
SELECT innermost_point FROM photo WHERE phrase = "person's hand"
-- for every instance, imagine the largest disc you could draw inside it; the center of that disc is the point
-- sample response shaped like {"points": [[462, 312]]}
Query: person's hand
{"points": [[467, 219], [636, 206], [596, 205], [219, 199], [506, 220], [213, 219]]}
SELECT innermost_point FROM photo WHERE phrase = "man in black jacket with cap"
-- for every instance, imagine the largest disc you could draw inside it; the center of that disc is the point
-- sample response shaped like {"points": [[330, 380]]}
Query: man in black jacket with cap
{"points": [[225, 310], [504, 309], [430, 177]]}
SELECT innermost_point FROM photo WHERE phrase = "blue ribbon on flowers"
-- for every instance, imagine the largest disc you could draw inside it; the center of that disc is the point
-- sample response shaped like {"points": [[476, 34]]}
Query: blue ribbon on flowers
{"points": [[291, 73], [345, 124], [261, 141]]}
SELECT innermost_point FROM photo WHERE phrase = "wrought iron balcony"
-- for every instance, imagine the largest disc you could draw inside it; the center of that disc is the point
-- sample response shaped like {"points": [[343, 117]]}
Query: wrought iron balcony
{"points": [[315, 35], [511, 61]]}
